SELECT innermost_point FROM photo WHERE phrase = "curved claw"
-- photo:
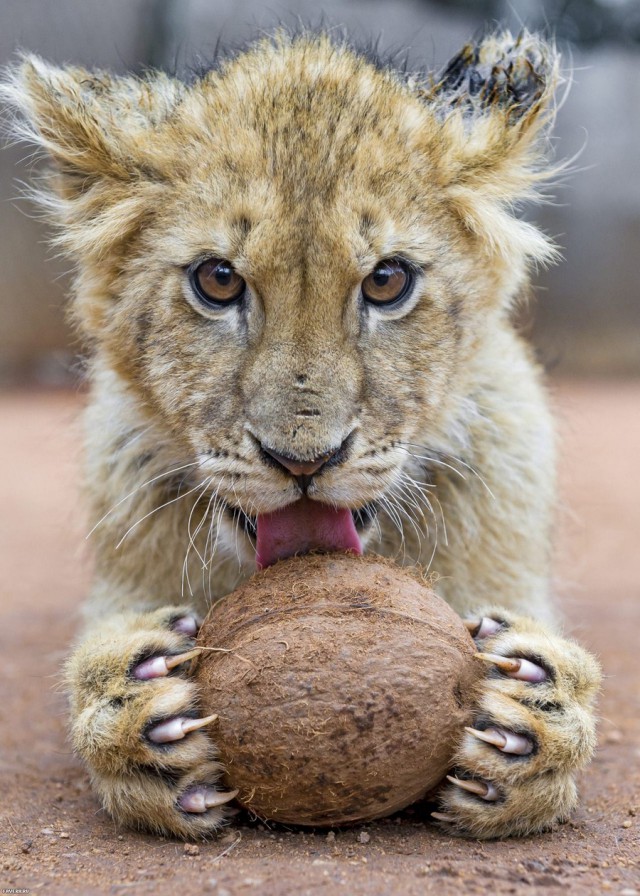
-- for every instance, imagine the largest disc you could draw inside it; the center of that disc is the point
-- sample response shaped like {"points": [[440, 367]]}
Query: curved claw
{"points": [[173, 661], [202, 798], [505, 741], [176, 729], [440, 816], [514, 667], [483, 627], [160, 666], [483, 789]]}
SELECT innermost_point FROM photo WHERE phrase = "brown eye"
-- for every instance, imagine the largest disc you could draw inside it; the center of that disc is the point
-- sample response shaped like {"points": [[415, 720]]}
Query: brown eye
{"points": [[389, 282], [216, 282]]}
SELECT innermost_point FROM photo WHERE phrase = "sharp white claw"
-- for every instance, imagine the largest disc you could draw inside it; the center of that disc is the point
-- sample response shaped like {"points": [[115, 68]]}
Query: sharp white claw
{"points": [[155, 667], [514, 667], [173, 661], [176, 729], [202, 798], [483, 789], [483, 627], [440, 816], [160, 666], [506, 741]]}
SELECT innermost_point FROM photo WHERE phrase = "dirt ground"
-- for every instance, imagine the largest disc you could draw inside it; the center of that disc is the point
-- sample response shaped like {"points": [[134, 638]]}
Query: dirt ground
{"points": [[54, 838]]}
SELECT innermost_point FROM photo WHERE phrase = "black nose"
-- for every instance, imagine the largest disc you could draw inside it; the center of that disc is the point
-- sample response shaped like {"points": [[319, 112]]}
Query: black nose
{"points": [[304, 470], [298, 467]]}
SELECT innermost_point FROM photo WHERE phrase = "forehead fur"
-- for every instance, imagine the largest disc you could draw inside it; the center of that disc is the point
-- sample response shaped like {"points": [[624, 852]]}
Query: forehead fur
{"points": [[299, 127], [304, 133], [302, 114]]}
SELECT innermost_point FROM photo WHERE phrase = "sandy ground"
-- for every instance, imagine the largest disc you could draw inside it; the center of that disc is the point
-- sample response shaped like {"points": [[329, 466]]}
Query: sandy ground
{"points": [[55, 838]]}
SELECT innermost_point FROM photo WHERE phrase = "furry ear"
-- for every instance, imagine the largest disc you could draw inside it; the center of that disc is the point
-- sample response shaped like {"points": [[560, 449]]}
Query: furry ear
{"points": [[516, 77], [93, 125], [99, 131], [495, 102]]}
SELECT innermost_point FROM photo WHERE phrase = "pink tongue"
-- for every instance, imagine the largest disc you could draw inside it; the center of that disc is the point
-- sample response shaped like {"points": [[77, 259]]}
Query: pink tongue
{"points": [[302, 527]]}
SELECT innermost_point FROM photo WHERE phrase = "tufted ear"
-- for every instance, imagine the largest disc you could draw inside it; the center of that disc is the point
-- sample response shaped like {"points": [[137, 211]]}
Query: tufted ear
{"points": [[93, 125], [100, 132], [513, 76], [495, 103]]}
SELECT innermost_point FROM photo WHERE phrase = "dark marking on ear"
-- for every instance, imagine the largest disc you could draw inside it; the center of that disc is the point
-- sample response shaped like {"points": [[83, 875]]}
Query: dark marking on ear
{"points": [[500, 71]]}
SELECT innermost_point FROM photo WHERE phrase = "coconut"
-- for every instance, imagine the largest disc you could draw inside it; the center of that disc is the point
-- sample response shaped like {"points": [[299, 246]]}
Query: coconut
{"points": [[342, 685]]}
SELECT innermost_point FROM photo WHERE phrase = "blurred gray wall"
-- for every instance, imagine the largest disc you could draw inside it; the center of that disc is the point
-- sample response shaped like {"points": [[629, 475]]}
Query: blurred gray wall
{"points": [[589, 306], [587, 314], [35, 343]]}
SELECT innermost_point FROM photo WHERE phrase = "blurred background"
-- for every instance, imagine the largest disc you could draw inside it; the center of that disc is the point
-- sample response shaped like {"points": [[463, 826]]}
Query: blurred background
{"points": [[586, 316]]}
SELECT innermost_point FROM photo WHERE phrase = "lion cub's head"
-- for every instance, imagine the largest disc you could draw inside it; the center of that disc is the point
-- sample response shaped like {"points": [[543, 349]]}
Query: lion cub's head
{"points": [[293, 261]]}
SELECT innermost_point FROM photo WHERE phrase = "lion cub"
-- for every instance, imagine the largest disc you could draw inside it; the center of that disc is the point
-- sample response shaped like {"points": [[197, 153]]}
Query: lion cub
{"points": [[295, 275]]}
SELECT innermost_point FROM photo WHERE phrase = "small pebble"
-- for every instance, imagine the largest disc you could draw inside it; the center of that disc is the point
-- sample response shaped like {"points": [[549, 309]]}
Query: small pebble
{"points": [[191, 849], [363, 837], [331, 837], [627, 824], [64, 836], [26, 846]]}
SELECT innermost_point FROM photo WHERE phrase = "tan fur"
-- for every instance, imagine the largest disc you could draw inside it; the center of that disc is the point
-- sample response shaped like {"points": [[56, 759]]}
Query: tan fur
{"points": [[304, 165]]}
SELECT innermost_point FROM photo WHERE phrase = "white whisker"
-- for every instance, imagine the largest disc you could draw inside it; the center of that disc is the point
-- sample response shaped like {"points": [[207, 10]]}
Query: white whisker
{"points": [[137, 489], [154, 510], [406, 498], [437, 460], [191, 536], [211, 503], [444, 525]]}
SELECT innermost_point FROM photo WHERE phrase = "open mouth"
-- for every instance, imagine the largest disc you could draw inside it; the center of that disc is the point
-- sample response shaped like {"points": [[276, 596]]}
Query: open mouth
{"points": [[302, 527]]}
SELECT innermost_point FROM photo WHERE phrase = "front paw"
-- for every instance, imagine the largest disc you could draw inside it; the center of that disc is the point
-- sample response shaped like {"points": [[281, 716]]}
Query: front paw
{"points": [[533, 728], [137, 724]]}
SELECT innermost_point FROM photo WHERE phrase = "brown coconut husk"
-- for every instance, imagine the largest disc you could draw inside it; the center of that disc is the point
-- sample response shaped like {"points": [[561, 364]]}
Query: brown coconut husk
{"points": [[342, 685]]}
